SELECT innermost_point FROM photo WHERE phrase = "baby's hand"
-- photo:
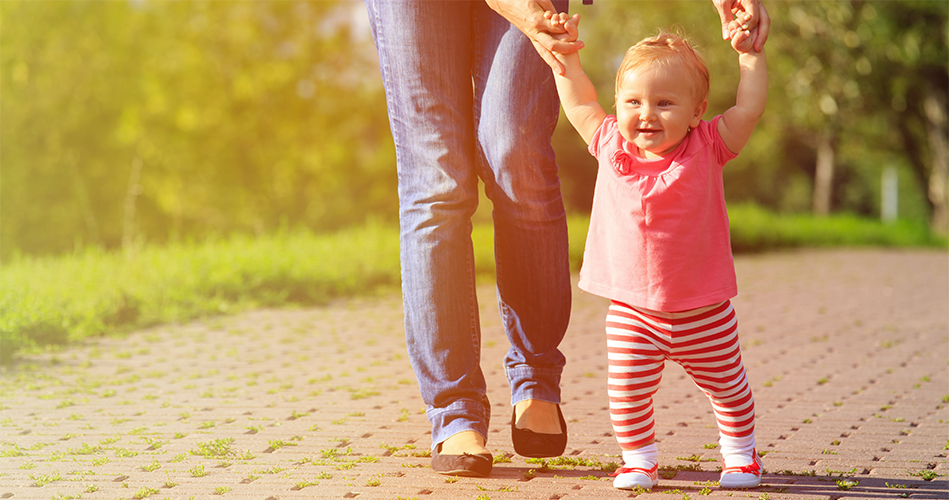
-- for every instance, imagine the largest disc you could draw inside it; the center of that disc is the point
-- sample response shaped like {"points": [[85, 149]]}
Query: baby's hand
{"points": [[743, 19], [743, 41], [742, 38], [563, 27]]}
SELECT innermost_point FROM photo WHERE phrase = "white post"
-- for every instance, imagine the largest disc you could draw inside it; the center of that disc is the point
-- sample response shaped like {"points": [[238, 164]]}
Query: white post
{"points": [[889, 193]]}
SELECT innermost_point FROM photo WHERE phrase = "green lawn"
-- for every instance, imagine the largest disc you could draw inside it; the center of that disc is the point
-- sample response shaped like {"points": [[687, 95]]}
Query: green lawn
{"points": [[54, 300]]}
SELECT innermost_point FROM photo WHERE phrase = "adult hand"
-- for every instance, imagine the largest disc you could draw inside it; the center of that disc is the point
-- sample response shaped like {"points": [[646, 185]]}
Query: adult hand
{"points": [[757, 17], [528, 16]]}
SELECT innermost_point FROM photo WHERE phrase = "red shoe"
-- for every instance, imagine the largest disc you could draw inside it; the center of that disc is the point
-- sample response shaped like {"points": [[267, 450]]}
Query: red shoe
{"points": [[628, 478], [747, 476]]}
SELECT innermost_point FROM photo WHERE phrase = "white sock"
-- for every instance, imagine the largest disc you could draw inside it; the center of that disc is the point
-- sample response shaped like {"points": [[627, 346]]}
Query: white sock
{"points": [[737, 451], [644, 458]]}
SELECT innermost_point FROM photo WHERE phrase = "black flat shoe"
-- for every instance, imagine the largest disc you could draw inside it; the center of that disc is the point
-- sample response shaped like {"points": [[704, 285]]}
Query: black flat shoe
{"points": [[462, 465], [528, 443]]}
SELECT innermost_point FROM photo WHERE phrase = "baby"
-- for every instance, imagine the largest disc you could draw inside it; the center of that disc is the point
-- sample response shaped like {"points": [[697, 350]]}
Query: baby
{"points": [[658, 244]]}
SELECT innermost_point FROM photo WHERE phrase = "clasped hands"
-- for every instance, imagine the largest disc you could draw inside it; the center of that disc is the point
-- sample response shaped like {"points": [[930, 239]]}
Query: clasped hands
{"points": [[745, 22]]}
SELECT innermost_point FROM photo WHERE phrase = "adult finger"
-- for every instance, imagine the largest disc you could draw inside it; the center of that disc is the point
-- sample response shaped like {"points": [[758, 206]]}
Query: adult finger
{"points": [[764, 26], [547, 5], [536, 20], [552, 44], [751, 7], [724, 8], [549, 57], [546, 45]]}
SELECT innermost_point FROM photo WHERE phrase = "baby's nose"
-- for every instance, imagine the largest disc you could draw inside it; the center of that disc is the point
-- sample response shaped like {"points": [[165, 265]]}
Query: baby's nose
{"points": [[646, 113]]}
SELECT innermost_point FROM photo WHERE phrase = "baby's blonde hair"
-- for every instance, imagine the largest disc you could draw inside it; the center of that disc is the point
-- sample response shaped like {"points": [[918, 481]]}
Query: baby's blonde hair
{"points": [[667, 49]]}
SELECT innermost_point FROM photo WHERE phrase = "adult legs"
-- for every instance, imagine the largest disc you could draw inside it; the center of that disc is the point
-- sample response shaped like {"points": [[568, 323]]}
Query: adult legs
{"points": [[430, 53], [516, 110], [425, 59]]}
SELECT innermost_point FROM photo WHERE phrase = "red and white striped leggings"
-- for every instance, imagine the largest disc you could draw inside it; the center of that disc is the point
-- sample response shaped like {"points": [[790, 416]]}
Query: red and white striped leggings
{"points": [[703, 341]]}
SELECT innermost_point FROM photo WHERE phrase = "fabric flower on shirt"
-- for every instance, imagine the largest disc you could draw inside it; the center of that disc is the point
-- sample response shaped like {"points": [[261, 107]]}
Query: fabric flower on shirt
{"points": [[622, 162]]}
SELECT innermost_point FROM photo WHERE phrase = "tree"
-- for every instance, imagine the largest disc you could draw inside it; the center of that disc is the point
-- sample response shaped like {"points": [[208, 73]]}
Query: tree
{"points": [[910, 74], [850, 82], [144, 120], [856, 70]]}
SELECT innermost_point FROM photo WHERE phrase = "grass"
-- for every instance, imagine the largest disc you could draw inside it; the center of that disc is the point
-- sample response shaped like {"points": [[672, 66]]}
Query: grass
{"points": [[215, 448], [926, 475], [546, 464], [754, 229], [50, 301]]}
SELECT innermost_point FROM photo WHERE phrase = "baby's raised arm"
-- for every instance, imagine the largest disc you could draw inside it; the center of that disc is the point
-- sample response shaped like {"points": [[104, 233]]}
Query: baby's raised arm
{"points": [[577, 93], [738, 123]]}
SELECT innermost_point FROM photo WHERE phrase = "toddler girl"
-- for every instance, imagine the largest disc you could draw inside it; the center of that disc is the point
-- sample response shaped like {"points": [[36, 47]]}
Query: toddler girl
{"points": [[658, 244]]}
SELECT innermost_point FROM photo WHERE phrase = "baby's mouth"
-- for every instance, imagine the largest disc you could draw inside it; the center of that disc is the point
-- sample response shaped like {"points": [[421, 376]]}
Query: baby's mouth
{"points": [[648, 131]]}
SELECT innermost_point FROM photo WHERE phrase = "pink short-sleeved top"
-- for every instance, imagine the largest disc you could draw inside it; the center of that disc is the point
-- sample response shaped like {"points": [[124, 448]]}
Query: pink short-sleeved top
{"points": [[658, 234]]}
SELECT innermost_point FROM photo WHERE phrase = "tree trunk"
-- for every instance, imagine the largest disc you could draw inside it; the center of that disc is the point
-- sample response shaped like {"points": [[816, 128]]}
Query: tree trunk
{"points": [[937, 131], [824, 176], [85, 206], [128, 219]]}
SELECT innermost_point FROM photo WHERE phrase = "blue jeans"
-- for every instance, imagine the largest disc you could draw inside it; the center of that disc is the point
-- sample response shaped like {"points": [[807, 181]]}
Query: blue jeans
{"points": [[469, 98]]}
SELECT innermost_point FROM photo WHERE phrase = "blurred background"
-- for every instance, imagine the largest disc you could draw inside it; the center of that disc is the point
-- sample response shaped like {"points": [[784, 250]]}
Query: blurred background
{"points": [[130, 122]]}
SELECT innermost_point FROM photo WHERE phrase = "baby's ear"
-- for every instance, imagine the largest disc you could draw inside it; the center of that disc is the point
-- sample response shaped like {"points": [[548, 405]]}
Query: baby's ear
{"points": [[700, 110]]}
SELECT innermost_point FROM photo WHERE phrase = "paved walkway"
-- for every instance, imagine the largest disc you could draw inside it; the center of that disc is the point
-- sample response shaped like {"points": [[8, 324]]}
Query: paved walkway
{"points": [[846, 350]]}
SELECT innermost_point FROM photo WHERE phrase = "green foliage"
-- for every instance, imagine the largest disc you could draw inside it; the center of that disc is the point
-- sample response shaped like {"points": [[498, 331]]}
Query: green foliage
{"points": [[856, 73], [162, 120], [754, 229], [49, 301], [215, 448]]}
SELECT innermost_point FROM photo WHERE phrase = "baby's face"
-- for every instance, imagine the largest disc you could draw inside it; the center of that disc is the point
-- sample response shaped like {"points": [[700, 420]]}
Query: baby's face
{"points": [[655, 109]]}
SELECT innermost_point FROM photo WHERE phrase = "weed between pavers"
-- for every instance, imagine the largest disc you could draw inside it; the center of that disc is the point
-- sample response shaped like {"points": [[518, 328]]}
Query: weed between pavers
{"points": [[273, 470], [925, 475], [840, 473], [45, 479], [339, 460], [13, 452], [304, 484], [198, 471], [846, 484], [215, 448], [500, 457], [696, 458], [410, 449], [152, 466], [277, 444], [547, 464]]}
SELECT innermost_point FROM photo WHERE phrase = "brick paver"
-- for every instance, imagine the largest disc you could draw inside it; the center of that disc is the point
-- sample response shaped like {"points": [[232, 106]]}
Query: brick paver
{"points": [[846, 350]]}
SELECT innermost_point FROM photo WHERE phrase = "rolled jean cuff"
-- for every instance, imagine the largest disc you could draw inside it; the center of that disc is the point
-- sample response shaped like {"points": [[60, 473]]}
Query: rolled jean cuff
{"points": [[542, 384], [460, 416]]}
